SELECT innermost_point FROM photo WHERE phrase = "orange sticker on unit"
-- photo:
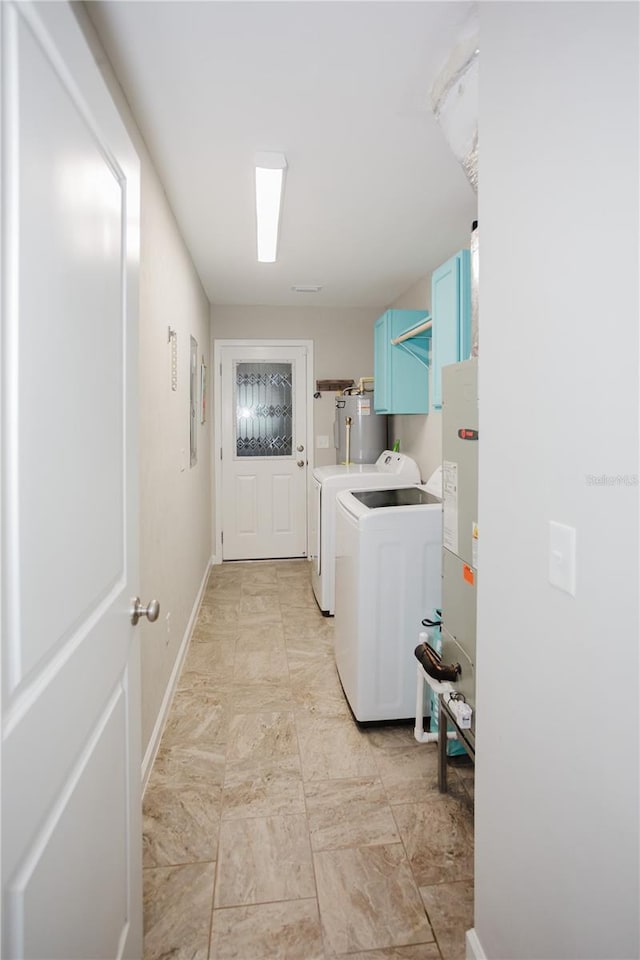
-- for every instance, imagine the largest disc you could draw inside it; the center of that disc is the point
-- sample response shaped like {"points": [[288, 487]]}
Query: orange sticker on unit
{"points": [[467, 573]]}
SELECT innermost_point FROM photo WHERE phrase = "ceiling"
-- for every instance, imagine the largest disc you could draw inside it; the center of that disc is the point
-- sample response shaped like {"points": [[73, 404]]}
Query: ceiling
{"points": [[374, 198]]}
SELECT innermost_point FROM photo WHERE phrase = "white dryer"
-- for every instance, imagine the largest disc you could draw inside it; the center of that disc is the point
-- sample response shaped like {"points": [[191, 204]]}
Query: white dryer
{"points": [[390, 470], [388, 577]]}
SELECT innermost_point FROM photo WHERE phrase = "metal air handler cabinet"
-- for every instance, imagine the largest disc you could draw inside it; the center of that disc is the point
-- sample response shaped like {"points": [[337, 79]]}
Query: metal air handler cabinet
{"points": [[460, 522]]}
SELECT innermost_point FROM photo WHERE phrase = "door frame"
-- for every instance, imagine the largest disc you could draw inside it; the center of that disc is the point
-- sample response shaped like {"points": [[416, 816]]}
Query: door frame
{"points": [[216, 448]]}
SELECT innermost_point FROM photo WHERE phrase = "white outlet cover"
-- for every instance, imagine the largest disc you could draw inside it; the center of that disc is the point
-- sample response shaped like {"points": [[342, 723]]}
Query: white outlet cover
{"points": [[562, 557]]}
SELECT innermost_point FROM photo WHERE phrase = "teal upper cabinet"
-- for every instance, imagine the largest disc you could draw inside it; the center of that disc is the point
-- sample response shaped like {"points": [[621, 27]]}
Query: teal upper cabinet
{"points": [[401, 376], [451, 310]]}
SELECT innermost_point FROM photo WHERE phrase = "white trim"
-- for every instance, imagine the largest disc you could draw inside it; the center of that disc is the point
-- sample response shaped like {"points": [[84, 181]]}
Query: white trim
{"points": [[154, 741], [474, 947], [218, 345]]}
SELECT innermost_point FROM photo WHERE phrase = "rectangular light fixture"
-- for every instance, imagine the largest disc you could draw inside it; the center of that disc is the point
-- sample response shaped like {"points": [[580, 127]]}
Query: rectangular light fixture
{"points": [[270, 169]]}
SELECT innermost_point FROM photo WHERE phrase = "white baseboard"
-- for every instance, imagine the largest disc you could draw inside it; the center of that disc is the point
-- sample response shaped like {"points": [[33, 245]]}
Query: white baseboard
{"points": [[154, 741], [214, 560], [474, 947]]}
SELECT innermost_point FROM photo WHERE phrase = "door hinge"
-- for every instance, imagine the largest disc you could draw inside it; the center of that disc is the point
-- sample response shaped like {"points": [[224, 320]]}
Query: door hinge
{"points": [[222, 536], [221, 453], [220, 369]]}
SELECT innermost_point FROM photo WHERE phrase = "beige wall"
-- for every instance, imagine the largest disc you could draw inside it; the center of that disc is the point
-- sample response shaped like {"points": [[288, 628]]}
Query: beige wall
{"points": [[175, 499], [342, 347]]}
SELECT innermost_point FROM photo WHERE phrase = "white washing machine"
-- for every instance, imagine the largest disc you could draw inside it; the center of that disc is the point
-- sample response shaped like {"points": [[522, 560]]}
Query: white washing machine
{"points": [[388, 577], [390, 469]]}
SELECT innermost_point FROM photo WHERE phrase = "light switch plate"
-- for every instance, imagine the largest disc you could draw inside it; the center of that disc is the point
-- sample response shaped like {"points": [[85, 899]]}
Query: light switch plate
{"points": [[562, 557], [322, 442]]}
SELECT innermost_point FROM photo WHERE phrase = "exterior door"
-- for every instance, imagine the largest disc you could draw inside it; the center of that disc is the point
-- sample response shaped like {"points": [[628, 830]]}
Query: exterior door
{"points": [[264, 452], [71, 831]]}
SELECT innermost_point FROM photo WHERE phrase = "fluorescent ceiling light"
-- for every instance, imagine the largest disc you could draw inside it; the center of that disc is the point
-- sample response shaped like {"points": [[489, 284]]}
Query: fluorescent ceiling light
{"points": [[270, 169]]}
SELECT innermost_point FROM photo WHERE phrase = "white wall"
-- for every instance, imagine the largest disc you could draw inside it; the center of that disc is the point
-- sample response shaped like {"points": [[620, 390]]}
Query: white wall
{"points": [[342, 347], [175, 499], [557, 804]]}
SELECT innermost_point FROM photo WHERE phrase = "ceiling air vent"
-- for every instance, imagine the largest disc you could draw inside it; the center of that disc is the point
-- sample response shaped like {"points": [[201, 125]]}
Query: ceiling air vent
{"points": [[307, 288]]}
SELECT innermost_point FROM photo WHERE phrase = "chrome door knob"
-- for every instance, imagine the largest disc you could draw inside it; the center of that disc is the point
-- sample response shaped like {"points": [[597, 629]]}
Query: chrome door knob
{"points": [[300, 463], [151, 611], [300, 447]]}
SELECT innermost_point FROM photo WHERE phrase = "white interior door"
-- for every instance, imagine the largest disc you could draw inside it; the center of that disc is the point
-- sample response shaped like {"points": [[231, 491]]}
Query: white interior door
{"points": [[264, 451], [71, 834]]}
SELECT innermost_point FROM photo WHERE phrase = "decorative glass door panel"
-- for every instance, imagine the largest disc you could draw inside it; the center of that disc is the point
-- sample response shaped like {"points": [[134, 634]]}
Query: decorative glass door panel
{"points": [[263, 392], [263, 409]]}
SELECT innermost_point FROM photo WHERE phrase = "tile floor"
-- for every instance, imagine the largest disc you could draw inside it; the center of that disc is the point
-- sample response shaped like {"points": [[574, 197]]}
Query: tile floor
{"points": [[275, 827]]}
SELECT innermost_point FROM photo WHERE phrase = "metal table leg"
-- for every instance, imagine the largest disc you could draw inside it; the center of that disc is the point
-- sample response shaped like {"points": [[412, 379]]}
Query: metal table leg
{"points": [[442, 747]]}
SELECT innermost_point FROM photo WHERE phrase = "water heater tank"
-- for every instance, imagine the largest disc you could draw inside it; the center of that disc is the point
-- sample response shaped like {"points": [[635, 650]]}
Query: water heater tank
{"points": [[368, 429]]}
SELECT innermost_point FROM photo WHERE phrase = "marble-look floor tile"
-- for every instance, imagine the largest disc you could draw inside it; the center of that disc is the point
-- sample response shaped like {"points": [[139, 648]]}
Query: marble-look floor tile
{"points": [[349, 813], [315, 685], [465, 773], [449, 907], [368, 899], [262, 737], [264, 859], [222, 589], [287, 930], [180, 824], [408, 773], [252, 638], [177, 911], [209, 630], [261, 623], [321, 704], [220, 611], [220, 570], [258, 573], [438, 838], [264, 606], [392, 736], [260, 696], [417, 951], [312, 643], [313, 632], [263, 789], [332, 749], [300, 617], [293, 593], [197, 715], [207, 663], [195, 764], [323, 688], [259, 661], [287, 569], [251, 588], [311, 668]]}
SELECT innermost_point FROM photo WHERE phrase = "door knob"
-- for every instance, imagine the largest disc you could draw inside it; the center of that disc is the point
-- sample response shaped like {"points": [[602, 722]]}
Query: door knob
{"points": [[300, 447], [151, 611], [300, 463]]}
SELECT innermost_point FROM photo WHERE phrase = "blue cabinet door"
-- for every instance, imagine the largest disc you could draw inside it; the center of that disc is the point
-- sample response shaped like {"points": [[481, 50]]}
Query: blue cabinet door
{"points": [[401, 377], [451, 311]]}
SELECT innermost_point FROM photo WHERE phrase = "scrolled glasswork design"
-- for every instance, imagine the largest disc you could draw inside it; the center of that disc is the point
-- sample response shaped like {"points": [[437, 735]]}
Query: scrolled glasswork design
{"points": [[264, 409]]}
